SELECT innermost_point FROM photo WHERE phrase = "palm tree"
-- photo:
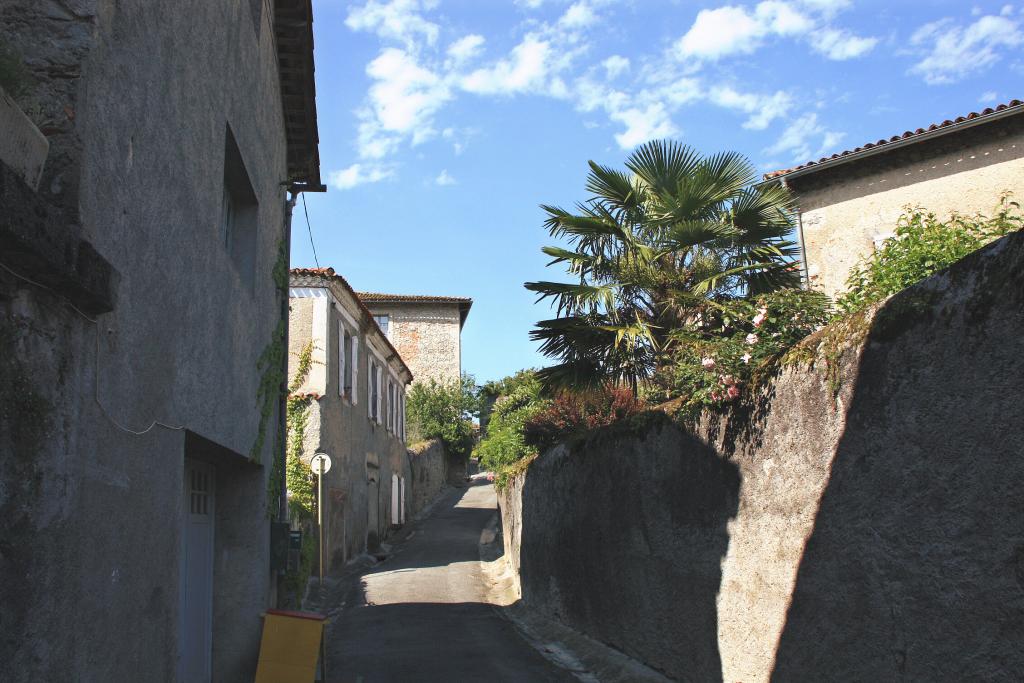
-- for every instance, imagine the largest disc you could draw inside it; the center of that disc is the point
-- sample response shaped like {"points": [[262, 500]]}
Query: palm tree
{"points": [[651, 249]]}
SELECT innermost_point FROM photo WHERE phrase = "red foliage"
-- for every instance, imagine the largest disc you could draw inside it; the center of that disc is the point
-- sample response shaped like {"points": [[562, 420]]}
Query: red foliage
{"points": [[571, 413]]}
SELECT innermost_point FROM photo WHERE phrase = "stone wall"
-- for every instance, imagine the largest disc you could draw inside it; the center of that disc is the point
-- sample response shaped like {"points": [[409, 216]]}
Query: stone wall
{"points": [[428, 464], [429, 337], [859, 519], [845, 210]]}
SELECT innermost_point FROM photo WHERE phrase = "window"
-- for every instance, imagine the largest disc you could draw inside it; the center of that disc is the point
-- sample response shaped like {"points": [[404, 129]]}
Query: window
{"points": [[238, 220], [391, 406], [382, 323]]}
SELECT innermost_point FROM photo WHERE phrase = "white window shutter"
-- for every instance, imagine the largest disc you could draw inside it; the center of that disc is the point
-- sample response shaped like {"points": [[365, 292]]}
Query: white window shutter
{"points": [[341, 358], [355, 369]]}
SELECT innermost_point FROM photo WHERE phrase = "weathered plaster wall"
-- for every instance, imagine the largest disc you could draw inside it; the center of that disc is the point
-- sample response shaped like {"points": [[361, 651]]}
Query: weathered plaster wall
{"points": [[428, 337], [428, 463], [134, 99], [365, 454], [872, 534], [845, 210]]}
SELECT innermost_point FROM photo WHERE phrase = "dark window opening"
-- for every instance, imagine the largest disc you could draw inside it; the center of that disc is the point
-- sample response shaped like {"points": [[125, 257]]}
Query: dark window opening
{"points": [[239, 212]]}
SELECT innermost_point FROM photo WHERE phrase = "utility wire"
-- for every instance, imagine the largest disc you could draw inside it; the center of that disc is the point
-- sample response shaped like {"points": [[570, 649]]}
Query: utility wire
{"points": [[310, 229], [96, 365]]}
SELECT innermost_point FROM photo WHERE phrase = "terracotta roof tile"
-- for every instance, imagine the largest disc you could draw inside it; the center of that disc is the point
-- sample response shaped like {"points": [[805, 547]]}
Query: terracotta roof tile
{"points": [[896, 138], [377, 296]]}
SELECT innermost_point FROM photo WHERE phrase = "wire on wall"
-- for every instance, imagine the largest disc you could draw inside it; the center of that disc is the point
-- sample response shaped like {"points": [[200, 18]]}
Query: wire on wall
{"points": [[96, 365]]}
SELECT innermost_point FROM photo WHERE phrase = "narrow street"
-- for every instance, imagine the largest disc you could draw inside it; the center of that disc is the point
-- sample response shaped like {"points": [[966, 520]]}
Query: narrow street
{"points": [[423, 614]]}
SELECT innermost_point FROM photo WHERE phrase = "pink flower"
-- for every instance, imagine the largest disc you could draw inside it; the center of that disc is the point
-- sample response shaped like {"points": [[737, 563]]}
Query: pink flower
{"points": [[715, 396], [746, 357], [708, 362], [728, 379], [751, 338], [732, 392], [762, 314]]}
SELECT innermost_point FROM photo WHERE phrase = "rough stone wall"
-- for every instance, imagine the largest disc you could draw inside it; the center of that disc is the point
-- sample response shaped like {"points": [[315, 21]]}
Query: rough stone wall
{"points": [[428, 336], [860, 519], [429, 472], [133, 97], [845, 210]]}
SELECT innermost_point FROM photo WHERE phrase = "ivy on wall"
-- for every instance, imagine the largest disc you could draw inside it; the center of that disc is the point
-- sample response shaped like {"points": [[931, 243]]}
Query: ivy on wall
{"points": [[301, 480]]}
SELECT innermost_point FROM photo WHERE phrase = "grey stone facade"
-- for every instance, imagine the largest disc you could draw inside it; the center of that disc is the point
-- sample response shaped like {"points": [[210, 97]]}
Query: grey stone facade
{"points": [[131, 333]]}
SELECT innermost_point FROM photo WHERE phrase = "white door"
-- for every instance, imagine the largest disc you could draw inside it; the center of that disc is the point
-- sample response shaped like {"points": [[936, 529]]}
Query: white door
{"points": [[401, 499], [196, 634], [395, 519]]}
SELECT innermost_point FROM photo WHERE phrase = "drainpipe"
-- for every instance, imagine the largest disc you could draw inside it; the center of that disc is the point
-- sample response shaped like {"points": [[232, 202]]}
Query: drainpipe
{"points": [[800, 238], [282, 412]]}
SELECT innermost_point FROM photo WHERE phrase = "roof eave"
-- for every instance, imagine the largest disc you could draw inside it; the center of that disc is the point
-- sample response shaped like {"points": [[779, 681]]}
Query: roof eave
{"points": [[889, 146], [293, 32]]}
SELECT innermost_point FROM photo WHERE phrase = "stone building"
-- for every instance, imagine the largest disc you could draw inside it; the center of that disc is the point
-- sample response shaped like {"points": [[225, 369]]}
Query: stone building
{"points": [[354, 384], [850, 202], [426, 330], [142, 314]]}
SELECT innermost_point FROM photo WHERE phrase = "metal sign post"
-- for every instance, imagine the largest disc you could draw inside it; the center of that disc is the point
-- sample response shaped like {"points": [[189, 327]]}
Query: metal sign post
{"points": [[321, 465]]}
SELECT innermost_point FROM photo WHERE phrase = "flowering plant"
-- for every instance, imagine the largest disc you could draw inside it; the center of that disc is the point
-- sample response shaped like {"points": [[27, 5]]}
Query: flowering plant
{"points": [[716, 353]]}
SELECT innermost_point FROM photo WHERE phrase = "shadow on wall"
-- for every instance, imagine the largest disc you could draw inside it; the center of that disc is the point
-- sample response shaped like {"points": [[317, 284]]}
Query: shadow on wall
{"points": [[915, 567], [620, 529]]}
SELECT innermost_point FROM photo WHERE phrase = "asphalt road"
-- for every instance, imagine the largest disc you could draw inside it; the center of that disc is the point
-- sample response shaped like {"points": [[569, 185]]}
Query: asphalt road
{"points": [[423, 615]]}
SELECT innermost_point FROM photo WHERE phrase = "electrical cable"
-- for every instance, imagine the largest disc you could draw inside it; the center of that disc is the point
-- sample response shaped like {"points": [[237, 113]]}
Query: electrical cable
{"points": [[310, 229], [96, 365]]}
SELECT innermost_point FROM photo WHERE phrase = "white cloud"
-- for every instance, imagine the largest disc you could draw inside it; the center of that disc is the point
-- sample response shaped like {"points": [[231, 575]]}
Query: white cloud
{"points": [[826, 7], [798, 140], [839, 44], [465, 48], [578, 15], [737, 30], [444, 179], [358, 174], [524, 70], [401, 103], [615, 66], [951, 52], [719, 32], [763, 109], [650, 123], [989, 97], [398, 20]]}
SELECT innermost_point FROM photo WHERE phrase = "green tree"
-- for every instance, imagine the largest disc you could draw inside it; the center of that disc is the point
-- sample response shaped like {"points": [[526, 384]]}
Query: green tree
{"points": [[443, 411], [648, 250]]}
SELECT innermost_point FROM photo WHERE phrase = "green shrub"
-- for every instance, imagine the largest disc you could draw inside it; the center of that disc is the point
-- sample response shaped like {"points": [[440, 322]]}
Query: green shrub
{"points": [[503, 444], [436, 410], [922, 246], [721, 350]]}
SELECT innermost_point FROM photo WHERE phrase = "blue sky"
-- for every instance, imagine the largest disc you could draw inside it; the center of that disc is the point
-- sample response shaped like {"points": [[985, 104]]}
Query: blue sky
{"points": [[444, 123]]}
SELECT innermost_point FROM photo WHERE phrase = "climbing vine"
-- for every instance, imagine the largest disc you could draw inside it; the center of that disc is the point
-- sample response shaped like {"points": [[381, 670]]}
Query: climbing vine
{"points": [[270, 365], [301, 480]]}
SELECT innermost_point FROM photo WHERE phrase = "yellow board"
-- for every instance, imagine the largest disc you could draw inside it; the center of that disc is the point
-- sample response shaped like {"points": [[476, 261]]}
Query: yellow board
{"points": [[290, 647]]}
